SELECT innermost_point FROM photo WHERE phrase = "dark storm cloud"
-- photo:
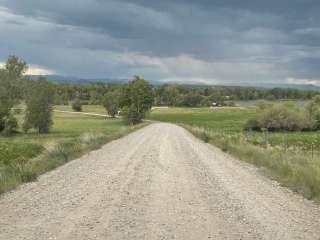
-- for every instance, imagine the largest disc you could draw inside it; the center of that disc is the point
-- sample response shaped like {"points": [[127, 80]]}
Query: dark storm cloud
{"points": [[209, 41]]}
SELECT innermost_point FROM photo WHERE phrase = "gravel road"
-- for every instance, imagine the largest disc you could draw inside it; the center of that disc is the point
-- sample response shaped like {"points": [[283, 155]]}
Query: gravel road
{"points": [[159, 182]]}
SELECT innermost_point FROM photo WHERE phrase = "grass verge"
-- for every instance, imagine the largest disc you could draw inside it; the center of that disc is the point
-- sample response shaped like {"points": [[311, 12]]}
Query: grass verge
{"points": [[293, 159], [298, 171], [24, 157]]}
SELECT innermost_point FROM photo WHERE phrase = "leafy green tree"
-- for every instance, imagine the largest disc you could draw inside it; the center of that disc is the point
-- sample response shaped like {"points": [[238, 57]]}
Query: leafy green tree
{"points": [[193, 99], [39, 102], [111, 102], [77, 105], [11, 80], [136, 100]]}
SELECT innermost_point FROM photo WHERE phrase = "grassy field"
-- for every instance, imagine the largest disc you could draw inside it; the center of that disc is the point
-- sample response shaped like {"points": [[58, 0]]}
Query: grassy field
{"points": [[85, 108], [291, 158], [23, 157]]}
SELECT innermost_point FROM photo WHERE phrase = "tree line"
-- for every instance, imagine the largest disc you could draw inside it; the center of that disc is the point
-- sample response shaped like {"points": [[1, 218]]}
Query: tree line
{"points": [[177, 95], [132, 100]]}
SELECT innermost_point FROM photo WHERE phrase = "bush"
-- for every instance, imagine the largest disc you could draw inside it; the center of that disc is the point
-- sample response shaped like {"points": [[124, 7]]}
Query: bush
{"points": [[204, 136], [131, 115], [252, 125], [261, 104], [10, 125], [77, 106], [280, 118]]}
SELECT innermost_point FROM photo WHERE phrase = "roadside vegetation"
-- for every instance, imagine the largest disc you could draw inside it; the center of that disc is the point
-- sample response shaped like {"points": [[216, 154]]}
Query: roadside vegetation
{"points": [[23, 157], [290, 157], [34, 139], [286, 117]]}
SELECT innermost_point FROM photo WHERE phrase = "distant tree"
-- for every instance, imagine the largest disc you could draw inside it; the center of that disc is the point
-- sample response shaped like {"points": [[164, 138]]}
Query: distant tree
{"points": [[11, 80], [111, 102], [39, 102], [136, 100], [77, 105], [193, 99], [171, 94]]}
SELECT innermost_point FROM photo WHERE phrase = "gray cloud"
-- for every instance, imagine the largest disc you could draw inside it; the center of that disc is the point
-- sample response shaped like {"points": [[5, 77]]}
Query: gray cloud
{"points": [[208, 41]]}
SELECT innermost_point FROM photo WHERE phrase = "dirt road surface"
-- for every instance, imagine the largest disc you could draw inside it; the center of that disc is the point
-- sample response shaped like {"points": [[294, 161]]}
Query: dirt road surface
{"points": [[159, 182]]}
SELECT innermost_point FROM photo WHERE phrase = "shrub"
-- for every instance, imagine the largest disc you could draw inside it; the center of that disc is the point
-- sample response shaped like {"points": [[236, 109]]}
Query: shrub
{"points": [[10, 125], [261, 104], [280, 118], [131, 115], [252, 125], [77, 105], [204, 136]]}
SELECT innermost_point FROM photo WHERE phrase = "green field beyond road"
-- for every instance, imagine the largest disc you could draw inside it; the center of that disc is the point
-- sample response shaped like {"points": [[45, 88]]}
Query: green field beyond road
{"points": [[25, 156], [292, 158]]}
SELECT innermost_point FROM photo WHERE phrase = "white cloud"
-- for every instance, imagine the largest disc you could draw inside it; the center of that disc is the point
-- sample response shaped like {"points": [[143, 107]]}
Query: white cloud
{"points": [[304, 81], [192, 69], [35, 70]]}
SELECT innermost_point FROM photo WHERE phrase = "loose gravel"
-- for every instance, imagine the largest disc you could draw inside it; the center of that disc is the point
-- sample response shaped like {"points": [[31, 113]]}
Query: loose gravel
{"points": [[159, 182]]}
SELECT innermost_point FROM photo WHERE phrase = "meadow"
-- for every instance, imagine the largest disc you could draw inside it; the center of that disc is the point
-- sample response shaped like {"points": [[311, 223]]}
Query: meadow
{"points": [[292, 158], [23, 157]]}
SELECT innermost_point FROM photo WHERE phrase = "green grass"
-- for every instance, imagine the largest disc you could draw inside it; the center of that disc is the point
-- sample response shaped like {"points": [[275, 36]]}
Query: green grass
{"points": [[230, 121], [227, 119], [23, 157], [283, 156], [85, 108]]}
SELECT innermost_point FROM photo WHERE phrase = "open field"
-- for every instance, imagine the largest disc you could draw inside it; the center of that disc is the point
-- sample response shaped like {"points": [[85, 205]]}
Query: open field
{"points": [[85, 108], [291, 158], [25, 156]]}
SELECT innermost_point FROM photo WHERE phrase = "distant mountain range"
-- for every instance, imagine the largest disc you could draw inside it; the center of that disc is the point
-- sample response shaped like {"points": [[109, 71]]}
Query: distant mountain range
{"points": [[70, 79], [306, 87]]}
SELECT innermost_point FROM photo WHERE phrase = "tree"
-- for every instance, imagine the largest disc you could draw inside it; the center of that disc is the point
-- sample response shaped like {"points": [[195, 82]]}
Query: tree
{"points": [[77, 105], [39, 102], [111, 102], [136, 100], [11, 80]]}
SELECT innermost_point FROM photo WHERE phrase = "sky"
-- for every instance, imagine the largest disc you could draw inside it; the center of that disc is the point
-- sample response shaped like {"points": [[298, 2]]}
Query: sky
{"points": [[199, 41]]}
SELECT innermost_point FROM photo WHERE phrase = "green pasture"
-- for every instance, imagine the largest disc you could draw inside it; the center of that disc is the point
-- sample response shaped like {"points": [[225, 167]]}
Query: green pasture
{"points": [[292, 158], [231, 121], [25, 156]]}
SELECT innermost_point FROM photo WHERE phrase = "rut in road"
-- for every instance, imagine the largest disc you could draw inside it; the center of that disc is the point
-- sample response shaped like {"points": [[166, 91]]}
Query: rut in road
{"points": [[159, 182]]}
